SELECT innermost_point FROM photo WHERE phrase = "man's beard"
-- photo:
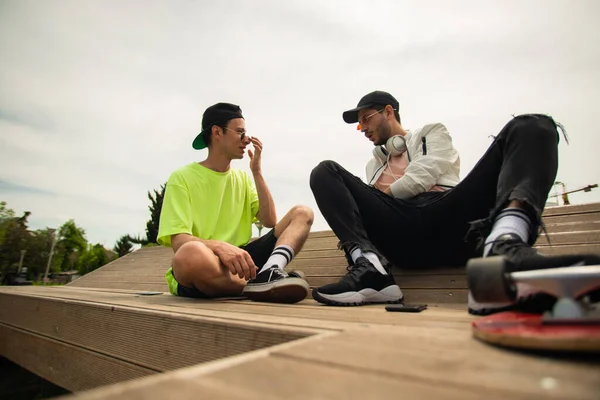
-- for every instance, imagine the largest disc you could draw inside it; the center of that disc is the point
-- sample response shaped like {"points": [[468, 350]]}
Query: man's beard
{"points": [[384, 132]]}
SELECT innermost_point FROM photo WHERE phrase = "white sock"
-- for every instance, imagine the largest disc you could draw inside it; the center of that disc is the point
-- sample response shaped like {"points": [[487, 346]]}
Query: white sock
{"points": [[510, 220], [281, 256], [372, 257]]}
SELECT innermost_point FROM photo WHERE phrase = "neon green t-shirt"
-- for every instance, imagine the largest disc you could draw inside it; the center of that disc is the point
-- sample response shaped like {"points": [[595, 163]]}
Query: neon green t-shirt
{"points": [[208, 204]]}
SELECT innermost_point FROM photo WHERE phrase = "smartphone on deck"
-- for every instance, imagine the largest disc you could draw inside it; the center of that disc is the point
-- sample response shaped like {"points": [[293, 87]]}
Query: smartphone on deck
{"points": [[406, 307]]}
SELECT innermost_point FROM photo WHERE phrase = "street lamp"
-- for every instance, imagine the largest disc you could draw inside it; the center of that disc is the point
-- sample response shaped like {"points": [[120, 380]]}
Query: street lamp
{"points": [[53, 233]]}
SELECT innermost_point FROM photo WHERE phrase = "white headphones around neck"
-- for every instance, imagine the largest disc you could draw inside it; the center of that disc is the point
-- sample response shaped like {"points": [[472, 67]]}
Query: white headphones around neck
{"points": [[394, 146]]}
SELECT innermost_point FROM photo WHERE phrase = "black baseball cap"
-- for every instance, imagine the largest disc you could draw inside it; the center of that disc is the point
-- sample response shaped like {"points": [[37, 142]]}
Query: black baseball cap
{"points": [[374, 98], [217, 114]]}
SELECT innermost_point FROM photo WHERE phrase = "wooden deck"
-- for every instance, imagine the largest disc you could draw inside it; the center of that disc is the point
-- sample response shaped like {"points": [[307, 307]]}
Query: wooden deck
{"points": [[103, 333]]}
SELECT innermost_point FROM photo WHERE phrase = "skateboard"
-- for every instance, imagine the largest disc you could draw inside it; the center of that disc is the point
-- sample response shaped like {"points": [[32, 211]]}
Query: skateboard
{"points": [[573, 323]]}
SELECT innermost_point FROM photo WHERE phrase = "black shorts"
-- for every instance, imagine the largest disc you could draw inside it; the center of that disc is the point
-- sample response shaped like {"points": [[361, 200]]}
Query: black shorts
{"points": [[260, 250]]}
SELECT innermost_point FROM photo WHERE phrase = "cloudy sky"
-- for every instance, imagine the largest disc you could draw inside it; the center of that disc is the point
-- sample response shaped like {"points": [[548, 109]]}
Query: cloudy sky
{"points": [[100, 100]]}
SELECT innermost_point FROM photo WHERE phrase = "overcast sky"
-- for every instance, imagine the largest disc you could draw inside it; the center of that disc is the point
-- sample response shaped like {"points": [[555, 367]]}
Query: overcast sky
{"points": [[100, 100]]}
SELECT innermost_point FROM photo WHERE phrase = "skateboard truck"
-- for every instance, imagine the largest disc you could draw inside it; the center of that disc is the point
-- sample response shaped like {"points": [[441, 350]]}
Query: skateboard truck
{"points": [[491, 281]]}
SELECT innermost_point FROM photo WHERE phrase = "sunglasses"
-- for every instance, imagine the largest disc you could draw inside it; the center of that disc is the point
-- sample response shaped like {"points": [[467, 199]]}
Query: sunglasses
{"points": [[365, 120]]}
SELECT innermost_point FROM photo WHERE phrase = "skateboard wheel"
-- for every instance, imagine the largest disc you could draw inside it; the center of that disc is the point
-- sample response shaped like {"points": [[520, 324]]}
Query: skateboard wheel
{"points": [[488, 280]]}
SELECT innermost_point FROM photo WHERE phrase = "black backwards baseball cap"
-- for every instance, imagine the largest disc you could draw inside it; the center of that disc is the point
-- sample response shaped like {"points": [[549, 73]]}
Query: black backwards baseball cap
{"points": [[374, 98], [217, 114]]}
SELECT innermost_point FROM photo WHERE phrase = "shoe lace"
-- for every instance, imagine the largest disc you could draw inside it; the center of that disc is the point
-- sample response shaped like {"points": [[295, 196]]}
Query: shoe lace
{"points": [[274, 273], [354, 270]]}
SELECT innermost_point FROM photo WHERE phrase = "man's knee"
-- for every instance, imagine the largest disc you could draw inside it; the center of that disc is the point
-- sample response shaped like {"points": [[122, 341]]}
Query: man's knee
{"points": [[193, 260], [303, 213], [538, 125], [321, 171]]}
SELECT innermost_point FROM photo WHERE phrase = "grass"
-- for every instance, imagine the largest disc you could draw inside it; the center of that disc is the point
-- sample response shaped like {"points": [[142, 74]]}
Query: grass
{"points": [[40, 283]]}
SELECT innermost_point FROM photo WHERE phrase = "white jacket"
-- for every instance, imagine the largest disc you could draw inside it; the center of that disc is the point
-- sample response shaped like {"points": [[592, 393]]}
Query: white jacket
{"points": [[439, 166]]}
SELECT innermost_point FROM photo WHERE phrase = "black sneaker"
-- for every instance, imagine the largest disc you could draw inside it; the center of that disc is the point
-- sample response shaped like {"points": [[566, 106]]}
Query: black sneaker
{"points": [[523, 257], [276, 286], [363, 284]]}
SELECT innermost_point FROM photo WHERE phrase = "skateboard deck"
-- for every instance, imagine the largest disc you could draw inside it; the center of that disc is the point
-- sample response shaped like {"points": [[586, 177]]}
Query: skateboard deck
{"points": [[528, 331]]}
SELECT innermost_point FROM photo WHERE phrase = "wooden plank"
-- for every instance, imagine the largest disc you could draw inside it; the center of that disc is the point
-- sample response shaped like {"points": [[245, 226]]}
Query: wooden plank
{"points": [[571, 209], [324, 253], [304, 263], [570, 249], [323, 380], [580, 226], [149, 286], [435, 296], [300, 380], [325, 243], [124, 275], [592, 216], [320, 234], [565, 238], [170, 388], [67, 366], [153, 340], [450, 358], [306, 314]]}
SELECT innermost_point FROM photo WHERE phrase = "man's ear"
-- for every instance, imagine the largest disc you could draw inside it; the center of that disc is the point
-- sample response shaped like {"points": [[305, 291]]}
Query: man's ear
{"points": [[390, 111]]}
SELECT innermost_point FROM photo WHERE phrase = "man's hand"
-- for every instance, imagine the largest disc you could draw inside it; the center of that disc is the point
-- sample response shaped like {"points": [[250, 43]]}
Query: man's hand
{"points": [[255, 157], [237, 260]]}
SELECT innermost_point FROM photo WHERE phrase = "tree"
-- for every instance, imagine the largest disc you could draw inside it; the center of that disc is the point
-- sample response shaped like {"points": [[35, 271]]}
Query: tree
{"points": [[155, 207], [124, 246], [92, 258], [14, 237], [71, 249], [71, 243], [7, 215]]}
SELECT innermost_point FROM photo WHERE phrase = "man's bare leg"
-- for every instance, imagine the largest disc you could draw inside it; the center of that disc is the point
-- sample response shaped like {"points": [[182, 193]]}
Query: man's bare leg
{"points": [[271, 283], [294, 227], [195, 265]]}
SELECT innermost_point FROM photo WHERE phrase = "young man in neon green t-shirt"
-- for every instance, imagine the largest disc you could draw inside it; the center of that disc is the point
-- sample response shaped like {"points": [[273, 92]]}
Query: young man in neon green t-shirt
{"points": [[207, 217]]}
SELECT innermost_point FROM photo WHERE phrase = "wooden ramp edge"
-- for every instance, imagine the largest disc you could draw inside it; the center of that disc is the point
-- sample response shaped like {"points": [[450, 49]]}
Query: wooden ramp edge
{"points": [[443, 364]]}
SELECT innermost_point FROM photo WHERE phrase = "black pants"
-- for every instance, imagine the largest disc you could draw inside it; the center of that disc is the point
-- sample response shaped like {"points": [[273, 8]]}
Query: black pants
{"points": [[431, 229]]}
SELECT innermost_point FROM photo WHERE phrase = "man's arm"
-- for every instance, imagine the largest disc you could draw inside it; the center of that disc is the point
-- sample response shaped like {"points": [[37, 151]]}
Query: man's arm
{"points": [[266, 211], [180, 239]]}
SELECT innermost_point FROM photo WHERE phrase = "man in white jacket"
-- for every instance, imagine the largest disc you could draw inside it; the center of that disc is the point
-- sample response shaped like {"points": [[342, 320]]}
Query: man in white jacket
{"points": [[413, 211]]}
